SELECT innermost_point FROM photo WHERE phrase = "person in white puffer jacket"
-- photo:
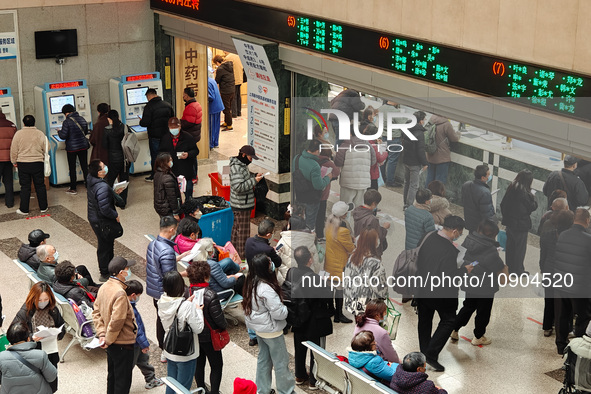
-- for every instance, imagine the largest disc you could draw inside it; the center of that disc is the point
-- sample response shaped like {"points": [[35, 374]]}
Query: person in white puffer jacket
{"points": [[355, 177], [266, 315], [296, 235]]}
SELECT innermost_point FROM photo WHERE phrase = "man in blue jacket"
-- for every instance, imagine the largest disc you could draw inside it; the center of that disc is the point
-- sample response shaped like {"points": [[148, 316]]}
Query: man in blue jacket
{"points": [[73, 131]]}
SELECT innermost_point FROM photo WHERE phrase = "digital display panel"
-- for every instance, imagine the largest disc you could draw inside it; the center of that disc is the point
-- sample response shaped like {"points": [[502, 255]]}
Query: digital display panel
{"points": [[142, 77], [3, 92], [56, 103], [136, 96], [517, 82], [66, 85], [139, 129]]}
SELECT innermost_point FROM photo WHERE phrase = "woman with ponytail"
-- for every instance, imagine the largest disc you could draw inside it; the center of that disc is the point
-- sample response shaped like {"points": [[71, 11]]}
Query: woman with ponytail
{"points": [[375, 311]]}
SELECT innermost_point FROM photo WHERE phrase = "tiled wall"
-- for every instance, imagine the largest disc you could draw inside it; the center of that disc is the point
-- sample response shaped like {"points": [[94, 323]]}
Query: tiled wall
{"points": [[114, 38]]}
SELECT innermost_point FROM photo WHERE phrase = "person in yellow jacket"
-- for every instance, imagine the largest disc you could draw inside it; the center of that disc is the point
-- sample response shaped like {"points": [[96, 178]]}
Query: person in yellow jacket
{"points": [[339, 246]]}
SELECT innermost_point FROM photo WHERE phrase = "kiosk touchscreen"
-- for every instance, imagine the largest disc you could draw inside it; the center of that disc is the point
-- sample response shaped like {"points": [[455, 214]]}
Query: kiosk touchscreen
{"points": [[7, 106], [128, 96], [49, 101]]}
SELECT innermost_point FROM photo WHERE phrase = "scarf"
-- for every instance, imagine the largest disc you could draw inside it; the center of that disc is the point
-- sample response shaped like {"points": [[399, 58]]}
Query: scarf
{"points": [[41, 317], [244, 159], [199, 285]]}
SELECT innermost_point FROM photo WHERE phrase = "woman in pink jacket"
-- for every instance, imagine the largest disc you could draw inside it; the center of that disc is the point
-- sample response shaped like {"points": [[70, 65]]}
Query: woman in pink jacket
{"points": [[375, 311]]}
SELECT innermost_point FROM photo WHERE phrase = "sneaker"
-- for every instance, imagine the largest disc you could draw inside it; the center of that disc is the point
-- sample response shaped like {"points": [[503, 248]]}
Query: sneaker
{"points": [[44, 210], [71, 191], [253, 342], [481, 341], [153, 383], [228, 128], [435, 365], [299, 381], [149, 178], [104, 278], [195, 180], [312, 387], [21, 212], [163, 358], [223, 124], [547, 333], [455, 336]]}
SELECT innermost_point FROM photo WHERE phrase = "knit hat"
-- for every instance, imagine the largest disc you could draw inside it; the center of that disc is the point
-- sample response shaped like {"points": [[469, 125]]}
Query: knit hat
{"points": [[243, 386], [340, 208]]}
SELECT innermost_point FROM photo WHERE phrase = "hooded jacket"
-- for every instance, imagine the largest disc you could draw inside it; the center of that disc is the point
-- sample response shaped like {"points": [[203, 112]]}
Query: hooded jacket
{"points": [[101, 204], [484, 250], [293, 239], [373, 363], [444, 135], [268, 313], [404, 382], [183, 243], [517, 206], [167, 195], [7, 132], [242, 184], [310, 168], [187, 313], [439, 209], [356, 164], [28, 255], [364, 218], [74, 136], [224, 76], [155, 117], [160, 259], [478, 205], [17, 378], [418, 222]]}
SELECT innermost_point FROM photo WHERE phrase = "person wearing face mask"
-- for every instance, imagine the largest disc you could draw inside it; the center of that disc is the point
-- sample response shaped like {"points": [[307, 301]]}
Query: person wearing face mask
{"points": [[183, 150], [48, 256], [418, 220], [477, 198], [242, 184], [101, 210], [188, 237], [375, 311], [191, 211], [115, 326], [40, 309], [167, 195], [438, 257]]}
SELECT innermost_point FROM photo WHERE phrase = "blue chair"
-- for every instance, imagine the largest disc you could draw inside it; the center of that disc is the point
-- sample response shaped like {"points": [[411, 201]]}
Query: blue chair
{"points": [[231, 301]]}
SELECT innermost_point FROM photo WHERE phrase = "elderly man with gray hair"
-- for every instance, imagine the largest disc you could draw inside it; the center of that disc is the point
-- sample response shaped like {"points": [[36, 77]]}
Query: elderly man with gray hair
{"points": [[410, 376], [49, 258]]}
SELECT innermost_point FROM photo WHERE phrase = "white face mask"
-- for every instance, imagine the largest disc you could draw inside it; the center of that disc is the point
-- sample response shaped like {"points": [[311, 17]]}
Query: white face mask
{"points": [[42, 305], [198, 215]]}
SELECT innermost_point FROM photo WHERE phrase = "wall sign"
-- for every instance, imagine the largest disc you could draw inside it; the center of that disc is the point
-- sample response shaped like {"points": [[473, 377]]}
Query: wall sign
{"points": [[8, 45], [521, 83]]}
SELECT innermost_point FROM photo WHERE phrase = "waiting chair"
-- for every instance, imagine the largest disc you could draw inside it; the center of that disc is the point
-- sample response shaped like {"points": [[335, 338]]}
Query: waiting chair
{"points": [[329, 377], [358, 381], [382, 388], [23, 266], [232, 301], [179, 388]]}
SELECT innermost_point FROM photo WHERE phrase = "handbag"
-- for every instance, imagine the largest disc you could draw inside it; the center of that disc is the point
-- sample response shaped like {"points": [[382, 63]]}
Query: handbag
{"points": [[110, 228], [391, 320], [179, 342], [219, 338], [46, 164]]}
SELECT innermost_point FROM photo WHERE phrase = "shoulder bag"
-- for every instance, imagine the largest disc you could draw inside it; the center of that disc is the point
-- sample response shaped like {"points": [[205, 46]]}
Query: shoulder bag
{"points": [[82, 131], [219, 338], [179, 342]]}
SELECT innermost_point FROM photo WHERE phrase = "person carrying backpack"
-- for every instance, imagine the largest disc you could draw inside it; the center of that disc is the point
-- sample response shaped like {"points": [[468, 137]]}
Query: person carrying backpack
{"points": [[440, 158], [112, 137]]}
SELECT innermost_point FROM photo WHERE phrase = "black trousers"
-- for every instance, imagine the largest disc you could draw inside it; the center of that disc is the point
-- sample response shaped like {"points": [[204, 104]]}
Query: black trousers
{"points": [[564, 308], [122, 171], [82, 156], [516, 247], [548, 320], [300, 355], [6, 176], [237, 104], [227, 100], [320, 219], [482, 307], [120, 367], [54, 358], [159, 328], [26, 173], [216, 363], [104, 251], [431, 345]]}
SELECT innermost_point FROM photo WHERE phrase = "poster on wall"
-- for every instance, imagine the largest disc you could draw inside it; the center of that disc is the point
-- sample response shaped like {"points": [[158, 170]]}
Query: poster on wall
{"points": [[262, 104], [8, 45]]}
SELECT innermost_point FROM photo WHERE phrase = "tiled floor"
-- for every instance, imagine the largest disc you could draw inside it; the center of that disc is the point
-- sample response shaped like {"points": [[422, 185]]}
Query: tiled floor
{"points": [[516, 361]]}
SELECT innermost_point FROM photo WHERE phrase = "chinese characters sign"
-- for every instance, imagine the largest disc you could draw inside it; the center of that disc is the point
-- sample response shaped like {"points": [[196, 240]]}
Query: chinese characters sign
{"points": [[8, 45], [191, 68]]}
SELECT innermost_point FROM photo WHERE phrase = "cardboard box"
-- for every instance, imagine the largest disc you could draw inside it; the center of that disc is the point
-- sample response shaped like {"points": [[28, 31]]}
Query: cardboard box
{"points": [[225, 176], [222, 164]]}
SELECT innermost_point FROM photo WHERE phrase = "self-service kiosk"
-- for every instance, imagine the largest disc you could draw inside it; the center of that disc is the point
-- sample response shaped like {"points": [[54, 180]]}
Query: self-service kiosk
{"points": [[7, 106], [128, 96], [49, 100]]}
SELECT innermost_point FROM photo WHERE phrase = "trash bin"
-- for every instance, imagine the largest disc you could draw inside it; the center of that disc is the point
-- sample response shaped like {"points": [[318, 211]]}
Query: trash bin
{"points": [[217, 219]]}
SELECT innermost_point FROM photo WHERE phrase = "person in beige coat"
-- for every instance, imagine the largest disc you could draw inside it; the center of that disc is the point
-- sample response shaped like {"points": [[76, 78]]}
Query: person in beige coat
{"points": [[238, 80], [439, 161], [439, 204]]}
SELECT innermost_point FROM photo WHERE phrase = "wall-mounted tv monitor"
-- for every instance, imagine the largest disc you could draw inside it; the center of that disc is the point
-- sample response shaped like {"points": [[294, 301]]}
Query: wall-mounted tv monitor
{"points": [[57, 103], [56, 43], [137, 96]]}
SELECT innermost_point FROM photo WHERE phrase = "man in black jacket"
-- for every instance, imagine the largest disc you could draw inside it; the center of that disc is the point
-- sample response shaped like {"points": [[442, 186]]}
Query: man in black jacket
{"points": [[576, 192], [155, 119], [437, 259], [28, 252], [224, 76], [571, 262], [414, 159], [260, 243], [477, 199]]}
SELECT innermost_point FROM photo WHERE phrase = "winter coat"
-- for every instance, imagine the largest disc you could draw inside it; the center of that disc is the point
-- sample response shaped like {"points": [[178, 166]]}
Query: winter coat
{"points": [[382, 338], [112, 137], [213, 313], [141, 340], [183, 243], [7, 132], [478, 205], [46, 272], [357, 297], [242, 184], [187, 313], [257, 245], [73, 291], [381, 157], [293, 239], [101, 204], [99, 151], [356, 165], [218, 280], [325, 161], [186, 143], [237, 66], [576, 192], [572, 257], [444, 135], [364, 218], [216, 105], [26, 317], [113, 315], [191, 120], [310, 168], [224, 76], [338, 249], [484, 250], [28, 255], [17, 378], [268, 313], [373, 363], [167, 195], [74, 136], [404, 382], [347, 101], [160, 258], [155, 118], [418, 221], [517, 206], [581, 346], [439, 209], [549, 234], [28, 146], [414, 151]]}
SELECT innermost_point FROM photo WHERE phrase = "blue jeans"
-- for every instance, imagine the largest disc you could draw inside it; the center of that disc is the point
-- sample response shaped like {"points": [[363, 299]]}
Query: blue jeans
{"points": [[181, 371], [311, 214], [392, 161], [251, 334], [154, 147], [214, 130], [437, 172], [229, 266], [273, 355]]}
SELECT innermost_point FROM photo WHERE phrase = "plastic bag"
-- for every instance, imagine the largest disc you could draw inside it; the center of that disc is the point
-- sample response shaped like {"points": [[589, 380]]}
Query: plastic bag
{"points": [[211, 204]]}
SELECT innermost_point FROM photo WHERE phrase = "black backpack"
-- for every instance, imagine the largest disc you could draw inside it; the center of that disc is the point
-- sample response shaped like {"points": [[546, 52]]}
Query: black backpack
{"points": [[298, 308], [303, 188]]}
